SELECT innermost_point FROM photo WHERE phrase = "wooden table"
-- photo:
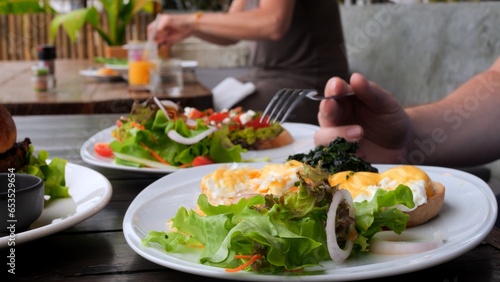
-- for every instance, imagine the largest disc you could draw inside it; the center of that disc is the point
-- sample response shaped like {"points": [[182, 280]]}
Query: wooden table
{"points": [[96, 250], [76, 94]]}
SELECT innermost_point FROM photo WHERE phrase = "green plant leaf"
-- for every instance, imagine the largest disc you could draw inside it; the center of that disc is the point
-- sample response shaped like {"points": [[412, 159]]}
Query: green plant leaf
{"points": [[74, 21], [141, 4], [118, 16], [112, 8], [25, 7]]}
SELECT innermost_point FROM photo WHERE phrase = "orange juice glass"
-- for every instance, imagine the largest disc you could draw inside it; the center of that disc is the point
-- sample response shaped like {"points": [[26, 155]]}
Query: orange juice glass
{"points": [[138, 73], [140, 63]]}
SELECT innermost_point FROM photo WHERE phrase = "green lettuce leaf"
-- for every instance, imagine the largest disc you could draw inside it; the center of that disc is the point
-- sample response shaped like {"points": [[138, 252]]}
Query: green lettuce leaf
{"points": [[381, 212], [52, 173]]}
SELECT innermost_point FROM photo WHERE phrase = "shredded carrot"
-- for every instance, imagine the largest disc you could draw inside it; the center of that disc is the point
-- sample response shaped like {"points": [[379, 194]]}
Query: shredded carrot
{"points": [[252, 259], [160, 159], [137, 125], [185, 165]]}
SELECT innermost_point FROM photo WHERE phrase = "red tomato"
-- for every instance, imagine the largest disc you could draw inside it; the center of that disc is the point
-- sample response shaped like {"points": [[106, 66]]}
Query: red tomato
{"points": [[197, 114], [218, 117], [103, 149], [202, 160], [255, 123]]}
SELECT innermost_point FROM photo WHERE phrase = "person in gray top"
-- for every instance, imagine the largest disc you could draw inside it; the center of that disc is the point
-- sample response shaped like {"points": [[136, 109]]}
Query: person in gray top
{"points": [[297, 44]]}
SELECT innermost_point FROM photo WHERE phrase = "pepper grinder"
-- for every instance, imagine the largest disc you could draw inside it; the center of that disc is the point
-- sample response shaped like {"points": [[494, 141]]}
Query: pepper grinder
{"points": [[46, 59]]}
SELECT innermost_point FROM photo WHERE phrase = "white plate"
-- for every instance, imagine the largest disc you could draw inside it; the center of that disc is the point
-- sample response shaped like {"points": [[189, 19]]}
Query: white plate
{"points": [[117, 67], [90, 192], [95, 74], [467, 216], [302, 134], [185, 65]]}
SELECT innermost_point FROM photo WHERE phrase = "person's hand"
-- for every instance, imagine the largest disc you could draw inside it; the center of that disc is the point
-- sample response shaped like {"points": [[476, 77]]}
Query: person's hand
{"points": [[373, 117], [172, 28]]}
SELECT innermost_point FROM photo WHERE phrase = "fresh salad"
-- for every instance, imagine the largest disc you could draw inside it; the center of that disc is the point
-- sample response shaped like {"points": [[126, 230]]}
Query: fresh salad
{"points": [[52, 173], [158, 134], [271, 234]]}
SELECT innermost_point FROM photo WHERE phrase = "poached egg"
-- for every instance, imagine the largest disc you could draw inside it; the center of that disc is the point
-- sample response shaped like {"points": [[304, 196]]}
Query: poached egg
{"points": [[229, 183], [363, 185]]}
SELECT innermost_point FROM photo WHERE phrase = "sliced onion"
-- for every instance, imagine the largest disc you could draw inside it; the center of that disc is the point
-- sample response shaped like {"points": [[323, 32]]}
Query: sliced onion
{"points": [[146, 162], [192, 123], [190, 140], [160, 105], [338, 254], [408, 242], [170, 104], [165, 103]]}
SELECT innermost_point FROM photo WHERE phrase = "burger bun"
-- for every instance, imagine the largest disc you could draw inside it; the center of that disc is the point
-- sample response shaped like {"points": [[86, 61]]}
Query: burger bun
{"points": [[8, 131]]}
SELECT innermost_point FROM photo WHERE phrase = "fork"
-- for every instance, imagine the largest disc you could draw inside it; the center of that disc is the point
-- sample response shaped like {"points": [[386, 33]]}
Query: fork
{"points": [[285, 100]]}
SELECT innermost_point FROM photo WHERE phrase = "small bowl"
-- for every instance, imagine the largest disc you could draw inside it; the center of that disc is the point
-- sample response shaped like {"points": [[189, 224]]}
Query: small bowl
{"points": [[21, 201]]}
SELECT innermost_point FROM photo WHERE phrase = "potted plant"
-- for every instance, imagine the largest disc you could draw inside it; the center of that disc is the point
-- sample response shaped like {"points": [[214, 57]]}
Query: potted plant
{"points": [[119, 14]]}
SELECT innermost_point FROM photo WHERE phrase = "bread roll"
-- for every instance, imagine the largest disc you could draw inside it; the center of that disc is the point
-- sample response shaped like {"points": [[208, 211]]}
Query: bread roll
{"points": [[8, 131], [429, 210], [428, 195]]}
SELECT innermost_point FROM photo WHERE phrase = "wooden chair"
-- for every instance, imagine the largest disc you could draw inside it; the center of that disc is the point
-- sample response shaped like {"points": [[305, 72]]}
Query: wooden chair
{"points": [[21, 34]]}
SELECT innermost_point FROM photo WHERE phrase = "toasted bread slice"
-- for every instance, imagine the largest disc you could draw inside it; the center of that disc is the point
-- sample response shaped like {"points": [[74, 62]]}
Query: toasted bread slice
{"points": [[282, 139]]}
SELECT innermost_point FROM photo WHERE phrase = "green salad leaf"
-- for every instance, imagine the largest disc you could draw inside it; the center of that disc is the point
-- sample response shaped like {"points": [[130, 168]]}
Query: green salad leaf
{"points": [[372, 216], [52, 173]]}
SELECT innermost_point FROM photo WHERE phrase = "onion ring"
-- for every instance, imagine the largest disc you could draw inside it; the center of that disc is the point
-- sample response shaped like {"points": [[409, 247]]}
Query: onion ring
{"points": [[175, 136], [170, 104], [390, 243], [160, 105], [338, 254], [192, 123]]}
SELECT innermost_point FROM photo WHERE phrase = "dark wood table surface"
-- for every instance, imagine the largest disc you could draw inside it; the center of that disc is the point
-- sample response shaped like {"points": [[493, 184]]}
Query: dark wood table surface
{"points": [[76, 94], [96, 250]]}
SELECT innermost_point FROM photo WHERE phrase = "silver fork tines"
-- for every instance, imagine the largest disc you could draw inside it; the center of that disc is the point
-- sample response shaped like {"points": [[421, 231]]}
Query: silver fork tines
{"points": [[285, 100]]}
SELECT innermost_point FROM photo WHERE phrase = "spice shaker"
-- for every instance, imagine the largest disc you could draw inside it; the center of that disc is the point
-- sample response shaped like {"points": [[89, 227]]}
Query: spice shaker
{"points": [[46, 59]]}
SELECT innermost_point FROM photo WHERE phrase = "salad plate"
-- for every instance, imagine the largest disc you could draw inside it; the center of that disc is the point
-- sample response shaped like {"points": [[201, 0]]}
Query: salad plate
{"points": [[467, 216], [90, 192], [91, 73], [302, 134]]}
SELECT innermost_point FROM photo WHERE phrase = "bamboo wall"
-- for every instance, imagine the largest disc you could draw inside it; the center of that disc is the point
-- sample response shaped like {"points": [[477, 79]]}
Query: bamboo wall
{"points": [[21, 34]]}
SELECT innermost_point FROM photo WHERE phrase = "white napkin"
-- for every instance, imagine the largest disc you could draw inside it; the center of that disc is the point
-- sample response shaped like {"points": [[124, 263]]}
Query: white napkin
{"points": [[229, 92]]}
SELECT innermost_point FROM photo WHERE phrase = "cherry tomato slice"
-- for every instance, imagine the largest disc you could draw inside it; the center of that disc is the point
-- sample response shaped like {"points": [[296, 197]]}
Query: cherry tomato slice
{"points": [[197, 114], [255, 123], [103, 149], [202, 160], [218, 117]]}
